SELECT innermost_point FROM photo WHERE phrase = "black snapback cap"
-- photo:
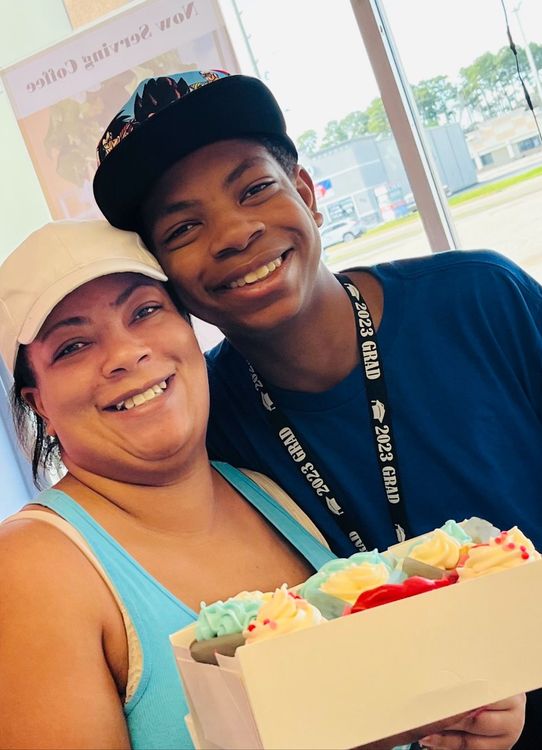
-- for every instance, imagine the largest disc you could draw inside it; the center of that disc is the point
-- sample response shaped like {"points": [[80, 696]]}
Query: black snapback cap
{"points": [[167, 118]]}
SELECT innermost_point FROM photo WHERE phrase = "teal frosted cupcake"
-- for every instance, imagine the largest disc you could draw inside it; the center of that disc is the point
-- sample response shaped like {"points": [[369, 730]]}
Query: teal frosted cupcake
{"points": [[339, 582], [232, 616]]}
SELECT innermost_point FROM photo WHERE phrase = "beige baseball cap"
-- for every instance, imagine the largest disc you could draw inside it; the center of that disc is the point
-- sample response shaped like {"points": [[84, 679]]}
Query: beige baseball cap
{"points": [[51, 263]]}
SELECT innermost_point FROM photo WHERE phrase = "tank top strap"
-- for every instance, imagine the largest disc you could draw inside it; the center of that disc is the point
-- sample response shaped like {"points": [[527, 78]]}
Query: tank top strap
{"points": [[280, 515], [106, 548]]}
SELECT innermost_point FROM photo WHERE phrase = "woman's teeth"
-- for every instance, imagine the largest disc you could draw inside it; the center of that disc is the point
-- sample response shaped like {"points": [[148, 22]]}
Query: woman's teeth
{"points": [[142, 398], [257, 275]]}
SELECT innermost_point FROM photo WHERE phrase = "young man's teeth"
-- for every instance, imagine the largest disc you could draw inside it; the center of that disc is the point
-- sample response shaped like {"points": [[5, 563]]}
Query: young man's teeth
{"points": [[259, 273], [141, 398]]}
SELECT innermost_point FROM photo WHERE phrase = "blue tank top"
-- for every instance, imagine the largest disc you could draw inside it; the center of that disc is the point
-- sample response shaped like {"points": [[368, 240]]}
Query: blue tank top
{"points": [[155, 712]]}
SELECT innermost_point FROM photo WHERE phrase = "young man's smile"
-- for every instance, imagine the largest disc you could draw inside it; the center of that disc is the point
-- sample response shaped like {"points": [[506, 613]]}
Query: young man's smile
{"points": [[251, 277]]}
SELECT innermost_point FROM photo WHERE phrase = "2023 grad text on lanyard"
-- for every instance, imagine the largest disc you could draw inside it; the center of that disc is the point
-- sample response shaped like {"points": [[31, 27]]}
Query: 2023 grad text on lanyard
{"points": [[379, 414]]}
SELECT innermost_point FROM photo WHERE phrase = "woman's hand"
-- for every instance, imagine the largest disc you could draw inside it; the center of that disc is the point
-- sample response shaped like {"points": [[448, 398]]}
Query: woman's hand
{"points": [[495, 727]]}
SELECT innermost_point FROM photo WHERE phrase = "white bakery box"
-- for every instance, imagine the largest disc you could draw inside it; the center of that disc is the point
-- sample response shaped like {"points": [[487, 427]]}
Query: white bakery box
{"points": [[373, 674]]}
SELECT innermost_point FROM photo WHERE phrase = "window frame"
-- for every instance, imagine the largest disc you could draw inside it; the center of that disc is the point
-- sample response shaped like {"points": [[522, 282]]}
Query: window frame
{"points": [[406, 125]]}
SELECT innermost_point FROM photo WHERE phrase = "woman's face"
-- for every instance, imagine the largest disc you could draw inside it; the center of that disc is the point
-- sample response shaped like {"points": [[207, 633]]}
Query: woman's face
{"points": [[121, 381]]}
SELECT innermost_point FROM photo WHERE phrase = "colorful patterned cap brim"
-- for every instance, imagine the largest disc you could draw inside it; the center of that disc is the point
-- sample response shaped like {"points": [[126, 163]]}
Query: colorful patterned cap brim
{"points": [[170, 117]]}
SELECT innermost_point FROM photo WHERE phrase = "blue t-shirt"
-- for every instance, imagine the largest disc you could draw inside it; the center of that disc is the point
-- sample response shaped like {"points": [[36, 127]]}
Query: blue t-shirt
{"points": [[461, 346]]}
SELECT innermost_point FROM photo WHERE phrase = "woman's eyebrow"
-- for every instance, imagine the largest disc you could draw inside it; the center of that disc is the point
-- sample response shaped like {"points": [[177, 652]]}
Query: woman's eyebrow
{"points": [[126, 293], [78, 320], [74, 321]]}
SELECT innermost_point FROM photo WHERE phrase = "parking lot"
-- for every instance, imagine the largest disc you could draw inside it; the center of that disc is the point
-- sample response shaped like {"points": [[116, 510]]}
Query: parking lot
{"points": [[509, 221]]}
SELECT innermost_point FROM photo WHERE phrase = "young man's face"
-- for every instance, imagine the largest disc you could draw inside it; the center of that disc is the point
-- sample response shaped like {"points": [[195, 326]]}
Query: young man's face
{"points": [[236, 235]]}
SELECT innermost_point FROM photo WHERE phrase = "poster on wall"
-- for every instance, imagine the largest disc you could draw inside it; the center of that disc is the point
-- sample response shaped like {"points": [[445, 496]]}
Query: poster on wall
{"points": [[81, 12], [64, 97]]}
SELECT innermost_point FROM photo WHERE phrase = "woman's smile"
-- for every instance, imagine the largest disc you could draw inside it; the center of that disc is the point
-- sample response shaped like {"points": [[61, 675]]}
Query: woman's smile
{"points": [[136, 398]]}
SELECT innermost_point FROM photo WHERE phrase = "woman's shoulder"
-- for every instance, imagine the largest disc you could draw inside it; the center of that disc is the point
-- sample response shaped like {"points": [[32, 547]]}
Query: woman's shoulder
{"points": [[59, 627], [37, 558]]}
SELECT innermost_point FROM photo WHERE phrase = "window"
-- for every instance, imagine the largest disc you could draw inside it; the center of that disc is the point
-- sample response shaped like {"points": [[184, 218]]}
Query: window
{"points": [[529, 143], [17, 487], [340, 209], [463, 78], [324, 81]]}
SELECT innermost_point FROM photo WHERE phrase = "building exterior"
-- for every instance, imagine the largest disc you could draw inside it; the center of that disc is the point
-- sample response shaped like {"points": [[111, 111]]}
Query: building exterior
{"points": [[504, 139], [364, 178]]}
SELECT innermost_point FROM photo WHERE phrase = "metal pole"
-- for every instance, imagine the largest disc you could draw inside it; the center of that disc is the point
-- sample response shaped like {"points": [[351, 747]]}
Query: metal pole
{"points": [[405, 123], [246, 38], [529, 54]]}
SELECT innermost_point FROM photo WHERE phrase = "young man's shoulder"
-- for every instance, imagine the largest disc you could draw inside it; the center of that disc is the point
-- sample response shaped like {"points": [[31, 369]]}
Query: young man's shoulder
{"points": [[468, 262], [480, 272]]}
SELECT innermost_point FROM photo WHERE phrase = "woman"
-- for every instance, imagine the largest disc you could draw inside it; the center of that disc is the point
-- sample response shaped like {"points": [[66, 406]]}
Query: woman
{"points": [[113, 377]]}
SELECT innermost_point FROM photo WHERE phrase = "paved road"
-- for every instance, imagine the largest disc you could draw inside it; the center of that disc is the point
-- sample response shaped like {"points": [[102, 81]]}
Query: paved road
{"points": [[509, 221]]}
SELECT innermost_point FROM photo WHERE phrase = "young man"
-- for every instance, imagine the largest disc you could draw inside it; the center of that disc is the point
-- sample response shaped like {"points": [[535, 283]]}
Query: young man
{"points": [[201, 165]]}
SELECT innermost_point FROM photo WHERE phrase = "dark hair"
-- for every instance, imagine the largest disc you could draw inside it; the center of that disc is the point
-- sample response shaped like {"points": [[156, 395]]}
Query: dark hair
{"points": [[179, 305], [283, 156], [30, 427]]}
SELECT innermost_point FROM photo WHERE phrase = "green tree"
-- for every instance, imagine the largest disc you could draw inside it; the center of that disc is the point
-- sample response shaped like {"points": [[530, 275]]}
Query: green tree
{"points": [[435, 99], [334, 134], [487, 87], [490, 86], [377, 120], [355, 124], [478, 86], [308, 142], [536, 52], [507, 76]]}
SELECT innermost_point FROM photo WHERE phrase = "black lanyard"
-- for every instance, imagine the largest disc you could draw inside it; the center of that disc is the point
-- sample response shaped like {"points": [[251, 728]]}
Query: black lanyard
{"points": [[379, 414]]}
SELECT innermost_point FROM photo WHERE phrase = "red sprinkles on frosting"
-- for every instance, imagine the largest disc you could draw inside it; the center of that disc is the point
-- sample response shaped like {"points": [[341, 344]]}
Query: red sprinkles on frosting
{"points": [[501, 538]]}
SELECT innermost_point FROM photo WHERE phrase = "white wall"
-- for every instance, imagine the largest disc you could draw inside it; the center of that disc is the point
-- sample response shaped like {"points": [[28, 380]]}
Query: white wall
{"points": [[26, 26]]}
